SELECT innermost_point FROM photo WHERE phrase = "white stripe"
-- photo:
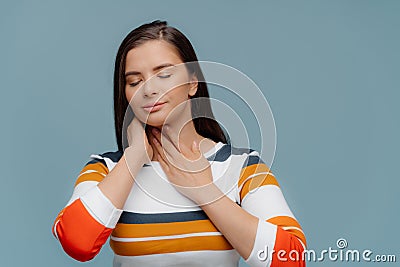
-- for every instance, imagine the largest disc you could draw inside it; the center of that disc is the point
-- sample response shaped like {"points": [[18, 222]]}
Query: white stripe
{"points": [[266, 202], [220, 258], [110, 164], [251, 176], [55, 229], [100, 207], [136, 239], [292, 227], [258, 173], [265, 238], [301, 242], [90, 171], [96, 156], [81, 189], [296, 228], [254, 153]]}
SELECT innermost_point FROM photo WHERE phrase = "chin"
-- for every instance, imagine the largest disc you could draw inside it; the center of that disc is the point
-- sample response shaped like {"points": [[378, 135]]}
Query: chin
{"points": [[155, 122], [157, 125]]}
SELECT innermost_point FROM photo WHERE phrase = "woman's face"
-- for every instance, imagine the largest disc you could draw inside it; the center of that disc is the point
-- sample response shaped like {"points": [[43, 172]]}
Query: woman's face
{"points": [[151, 77]]}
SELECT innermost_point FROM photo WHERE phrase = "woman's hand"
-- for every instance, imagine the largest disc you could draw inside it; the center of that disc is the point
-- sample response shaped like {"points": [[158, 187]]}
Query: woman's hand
{"points": [[186, 167], [138, 140]]}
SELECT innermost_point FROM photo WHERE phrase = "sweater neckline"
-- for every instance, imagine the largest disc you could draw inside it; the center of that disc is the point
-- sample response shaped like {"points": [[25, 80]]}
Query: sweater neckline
{"points": [[206, 154]]}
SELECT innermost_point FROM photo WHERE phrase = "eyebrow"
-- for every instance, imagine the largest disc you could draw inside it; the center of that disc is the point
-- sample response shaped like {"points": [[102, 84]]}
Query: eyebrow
{"points": [[154, 69]]}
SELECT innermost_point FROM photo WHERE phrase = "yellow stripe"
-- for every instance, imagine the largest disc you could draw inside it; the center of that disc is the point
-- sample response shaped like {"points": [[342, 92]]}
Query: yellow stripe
{"points": [[257, 181], [92, 176], [98, 166], [250, 170], [284, 221], [162, 229], [196, 243]]}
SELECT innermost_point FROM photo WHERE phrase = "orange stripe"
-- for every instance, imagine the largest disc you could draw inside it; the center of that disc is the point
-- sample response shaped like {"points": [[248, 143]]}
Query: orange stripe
{"points": [[257, 181], [284, 221], [92, 176], [163, 229], [252, 169], [98, 166], [195, 243]]}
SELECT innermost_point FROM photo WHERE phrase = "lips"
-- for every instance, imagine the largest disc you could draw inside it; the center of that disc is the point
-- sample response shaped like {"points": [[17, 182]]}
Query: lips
{"points": [[153, 105]]}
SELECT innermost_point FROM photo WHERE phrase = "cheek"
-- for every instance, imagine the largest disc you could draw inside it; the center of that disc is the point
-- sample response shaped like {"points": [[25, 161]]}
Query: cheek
{"points": [[180, 94], [128, 94], [132, 101]]}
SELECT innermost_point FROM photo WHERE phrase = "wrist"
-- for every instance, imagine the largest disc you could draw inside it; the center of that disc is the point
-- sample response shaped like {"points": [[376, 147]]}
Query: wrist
{"points": [[132, 160], [135, 155], [207, 194]]}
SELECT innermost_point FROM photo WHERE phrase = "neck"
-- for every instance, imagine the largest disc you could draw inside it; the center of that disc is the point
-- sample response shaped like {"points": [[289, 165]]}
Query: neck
{"points": [[187, 134], [183, 127]]}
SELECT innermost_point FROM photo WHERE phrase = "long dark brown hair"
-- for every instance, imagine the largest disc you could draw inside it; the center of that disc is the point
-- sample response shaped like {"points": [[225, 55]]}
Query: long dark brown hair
{"points": [[203, 117]]}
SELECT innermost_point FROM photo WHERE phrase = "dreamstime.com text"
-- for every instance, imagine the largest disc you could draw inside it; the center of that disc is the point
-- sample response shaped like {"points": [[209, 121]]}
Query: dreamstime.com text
{"points": [[341, 253]]}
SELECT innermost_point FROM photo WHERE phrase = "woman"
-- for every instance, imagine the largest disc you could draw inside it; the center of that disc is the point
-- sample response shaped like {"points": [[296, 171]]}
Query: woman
{"points": [[192, 219]]}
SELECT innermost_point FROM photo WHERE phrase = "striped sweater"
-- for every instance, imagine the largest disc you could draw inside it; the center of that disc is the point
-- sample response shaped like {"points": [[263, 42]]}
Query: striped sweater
{"points": [[158, 226]]}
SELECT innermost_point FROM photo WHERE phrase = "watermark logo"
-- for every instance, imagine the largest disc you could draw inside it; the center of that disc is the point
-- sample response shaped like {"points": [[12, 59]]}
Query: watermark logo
{"points": [[340, 253], [341, 243]]}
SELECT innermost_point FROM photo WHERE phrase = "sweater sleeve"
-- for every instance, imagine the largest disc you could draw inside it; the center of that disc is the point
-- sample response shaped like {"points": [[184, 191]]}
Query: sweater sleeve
{"points": [[87, 220], [280, 240]]}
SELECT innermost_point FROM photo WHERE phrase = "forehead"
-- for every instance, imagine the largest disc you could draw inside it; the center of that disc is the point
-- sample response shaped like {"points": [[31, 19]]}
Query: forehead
{"points": [[150, 54]]}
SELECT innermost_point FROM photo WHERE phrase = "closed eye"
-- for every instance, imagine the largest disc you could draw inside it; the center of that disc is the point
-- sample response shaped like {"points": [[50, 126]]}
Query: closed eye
{"points": [[134, 84], [164, 76], [160, 76]]}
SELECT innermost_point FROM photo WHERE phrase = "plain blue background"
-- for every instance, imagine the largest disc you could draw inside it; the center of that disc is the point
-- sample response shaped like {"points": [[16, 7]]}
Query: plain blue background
{"points": [[329, 69]]}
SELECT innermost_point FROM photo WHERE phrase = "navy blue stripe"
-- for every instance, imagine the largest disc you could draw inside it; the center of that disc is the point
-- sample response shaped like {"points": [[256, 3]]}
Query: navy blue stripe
{"points": [[96, 161], [226, 151], [114, 156], [251, 160], [141, 218]]}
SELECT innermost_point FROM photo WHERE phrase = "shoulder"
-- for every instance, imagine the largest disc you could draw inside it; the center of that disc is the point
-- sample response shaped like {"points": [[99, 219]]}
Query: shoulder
{"points": [[229, 152], [108, 158], [239, 159]]}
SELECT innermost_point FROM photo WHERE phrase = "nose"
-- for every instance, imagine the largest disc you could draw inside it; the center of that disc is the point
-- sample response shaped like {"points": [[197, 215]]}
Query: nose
{"points": [[150, 88]]}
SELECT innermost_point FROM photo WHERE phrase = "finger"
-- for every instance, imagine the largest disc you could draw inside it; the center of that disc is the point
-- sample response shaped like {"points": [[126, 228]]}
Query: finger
{"points": [[156, 136], [171, 149], [166, 144], [163, 164], [173, 156], [159, 148], [184, 151], [156, 133], [173, 138], [150, 137]]}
